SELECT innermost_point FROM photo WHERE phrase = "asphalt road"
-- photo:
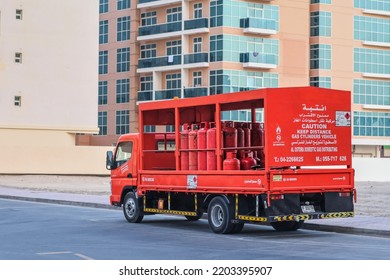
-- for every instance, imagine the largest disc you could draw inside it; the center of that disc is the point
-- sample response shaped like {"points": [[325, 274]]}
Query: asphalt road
{"points": [[37, 231]]}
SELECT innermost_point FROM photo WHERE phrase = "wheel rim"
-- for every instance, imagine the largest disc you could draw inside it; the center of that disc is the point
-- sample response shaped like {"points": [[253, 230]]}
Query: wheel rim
{"points": [[130, 207], [217, 216]]}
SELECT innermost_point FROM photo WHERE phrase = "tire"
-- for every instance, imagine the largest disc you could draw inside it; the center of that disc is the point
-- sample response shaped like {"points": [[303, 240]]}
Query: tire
{"points": [[287, 225], [132, 209], [194, 218], [219, 216]]}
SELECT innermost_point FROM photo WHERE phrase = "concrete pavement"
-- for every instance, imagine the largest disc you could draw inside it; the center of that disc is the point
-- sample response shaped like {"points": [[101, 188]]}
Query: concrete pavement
{"points": [[367, 225]]}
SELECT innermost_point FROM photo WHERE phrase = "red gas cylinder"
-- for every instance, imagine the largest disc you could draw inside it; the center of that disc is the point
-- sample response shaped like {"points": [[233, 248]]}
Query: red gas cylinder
{"points": [[231, 162], [247, 134], [192, 146], [240, 138], [248, 161], [202, 144], [229, 136], [211, 144], [184, 146], [257, 139], [257, 159]]}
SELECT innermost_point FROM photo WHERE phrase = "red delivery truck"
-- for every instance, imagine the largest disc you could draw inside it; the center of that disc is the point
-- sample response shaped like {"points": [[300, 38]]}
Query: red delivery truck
{"points": [[293, 165]]}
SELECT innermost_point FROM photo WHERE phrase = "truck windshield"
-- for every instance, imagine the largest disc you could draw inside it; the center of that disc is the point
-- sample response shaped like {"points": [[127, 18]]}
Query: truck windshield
{"points": [[123, 152]]}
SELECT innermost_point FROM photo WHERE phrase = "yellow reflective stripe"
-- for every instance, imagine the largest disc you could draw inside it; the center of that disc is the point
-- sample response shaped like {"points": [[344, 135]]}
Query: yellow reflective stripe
{"points": [[252, 218], [174, 212]]}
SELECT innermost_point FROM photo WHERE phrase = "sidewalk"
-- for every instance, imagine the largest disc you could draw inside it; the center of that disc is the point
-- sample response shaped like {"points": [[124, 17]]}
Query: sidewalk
{"points": [[94, 192]]}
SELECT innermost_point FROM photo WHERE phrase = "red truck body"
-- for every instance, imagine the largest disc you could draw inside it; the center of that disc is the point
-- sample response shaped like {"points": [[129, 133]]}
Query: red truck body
{"points": [[304, 170]]}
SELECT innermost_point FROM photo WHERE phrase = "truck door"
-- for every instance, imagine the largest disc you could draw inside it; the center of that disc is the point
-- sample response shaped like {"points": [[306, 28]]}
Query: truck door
{"points": [[123, 174]]}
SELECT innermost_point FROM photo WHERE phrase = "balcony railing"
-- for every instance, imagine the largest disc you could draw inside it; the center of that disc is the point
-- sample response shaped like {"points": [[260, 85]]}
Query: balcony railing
{"points": [[259, 25], [196, 23], [159, 61], [145, 95], [167, 94], [159, 28], [195, 92], [260, 59], [196, 58], [145, 1]]}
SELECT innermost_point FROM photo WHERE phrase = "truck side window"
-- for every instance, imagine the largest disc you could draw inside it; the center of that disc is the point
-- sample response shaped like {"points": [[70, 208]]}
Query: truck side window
{"points": [[123, 153]]}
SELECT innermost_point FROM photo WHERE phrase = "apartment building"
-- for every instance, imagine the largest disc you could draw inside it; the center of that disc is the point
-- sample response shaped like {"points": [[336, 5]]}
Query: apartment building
{"points": [[156, 50], [48, 85]]}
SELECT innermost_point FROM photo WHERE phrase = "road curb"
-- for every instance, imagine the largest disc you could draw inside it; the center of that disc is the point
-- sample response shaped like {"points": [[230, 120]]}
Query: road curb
{"points": [[62, 202], [347, 230]]}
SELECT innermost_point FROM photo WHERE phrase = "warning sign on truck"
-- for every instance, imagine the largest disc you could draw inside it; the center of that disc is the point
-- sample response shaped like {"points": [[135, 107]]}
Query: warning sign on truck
{"points": [[314, 129]]}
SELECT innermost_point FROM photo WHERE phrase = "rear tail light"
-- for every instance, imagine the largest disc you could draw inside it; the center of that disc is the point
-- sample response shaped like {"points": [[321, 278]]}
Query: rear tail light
{"points": [[344, 194], [277, 196]]}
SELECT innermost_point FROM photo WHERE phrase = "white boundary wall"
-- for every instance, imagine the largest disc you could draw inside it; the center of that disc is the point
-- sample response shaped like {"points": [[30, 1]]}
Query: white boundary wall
{"points": [[371, 169]]}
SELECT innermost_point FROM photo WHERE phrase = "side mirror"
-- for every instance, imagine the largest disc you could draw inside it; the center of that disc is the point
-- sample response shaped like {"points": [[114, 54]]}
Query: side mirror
{"points": [[109, 160]]}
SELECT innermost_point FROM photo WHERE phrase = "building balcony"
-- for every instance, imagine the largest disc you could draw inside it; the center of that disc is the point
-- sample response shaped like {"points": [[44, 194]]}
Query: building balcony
{"points": [[163, 63], [259, 26], [155, 3], [145, 96], [167, 94], [256, 60], [195, 26], [195, 60], [159, 31], [195, 92]]}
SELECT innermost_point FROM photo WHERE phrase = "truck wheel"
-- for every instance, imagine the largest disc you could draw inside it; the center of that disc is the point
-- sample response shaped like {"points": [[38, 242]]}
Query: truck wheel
{"points": [[194, 218], [131, 208], [219, 216], [287, 225]]}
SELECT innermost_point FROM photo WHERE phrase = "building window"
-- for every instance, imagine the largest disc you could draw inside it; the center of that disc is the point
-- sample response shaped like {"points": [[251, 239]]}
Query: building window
{"points": [[103, 6], [174, 14], [19, 14], [225, 81], [18, 57], [103, 32], [372, 29], [232, 13], [103, 92], [102, 123], [103, 62], [237, 48], [17, 100], [371, 124], [173, 81], [376, 5], [320, 1], [123, 60], [123, 29], [173, 47], [197, 78], [198, 45], [123, 4], [320, 24], [323, 82], [149, 128], [123, 91], [320, 56], [198, 10], [146, 83], [122, 122], [371, 61], [149, 18], [371, 92], [148, 51]]}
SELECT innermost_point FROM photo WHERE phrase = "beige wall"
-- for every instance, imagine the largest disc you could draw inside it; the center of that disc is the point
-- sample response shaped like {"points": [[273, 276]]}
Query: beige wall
{"points": [[57, 81], [30, 151]]}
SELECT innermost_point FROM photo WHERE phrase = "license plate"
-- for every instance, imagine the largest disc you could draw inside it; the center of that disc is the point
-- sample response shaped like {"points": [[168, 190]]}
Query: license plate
{"points": [[307, 208]]}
